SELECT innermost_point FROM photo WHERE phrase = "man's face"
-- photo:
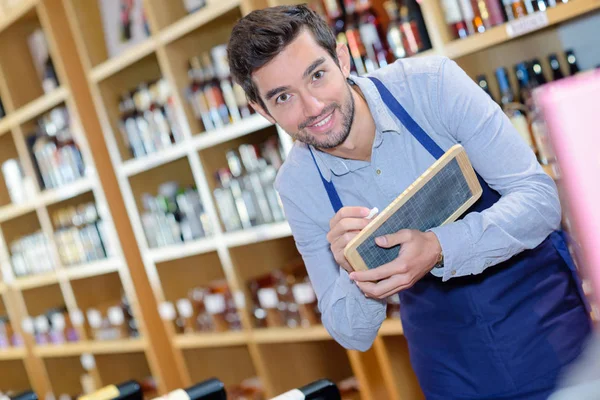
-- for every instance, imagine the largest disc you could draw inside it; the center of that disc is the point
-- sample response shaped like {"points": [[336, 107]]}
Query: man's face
{"points": [[306, 93]]}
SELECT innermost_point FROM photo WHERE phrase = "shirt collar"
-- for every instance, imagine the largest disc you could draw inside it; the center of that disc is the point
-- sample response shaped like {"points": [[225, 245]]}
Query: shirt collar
{"points": [[384, 122]]}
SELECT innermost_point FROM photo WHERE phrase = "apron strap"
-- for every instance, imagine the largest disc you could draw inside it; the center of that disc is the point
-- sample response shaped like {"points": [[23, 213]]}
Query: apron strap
{"points": [[334, 198], [406, 120]]}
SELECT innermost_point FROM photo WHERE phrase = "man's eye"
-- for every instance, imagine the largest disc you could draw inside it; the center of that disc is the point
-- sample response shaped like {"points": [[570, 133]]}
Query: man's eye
{"points": [[318, 75], [283, 98]]}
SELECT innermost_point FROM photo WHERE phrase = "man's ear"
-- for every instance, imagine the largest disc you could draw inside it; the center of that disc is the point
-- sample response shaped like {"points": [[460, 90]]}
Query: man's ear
{"points": [[343, 58], [262, 112]]}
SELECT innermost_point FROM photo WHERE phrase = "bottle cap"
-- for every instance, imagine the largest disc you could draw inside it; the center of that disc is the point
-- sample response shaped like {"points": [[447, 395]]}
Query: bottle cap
{"points": [[184, 308], [215, 303]]}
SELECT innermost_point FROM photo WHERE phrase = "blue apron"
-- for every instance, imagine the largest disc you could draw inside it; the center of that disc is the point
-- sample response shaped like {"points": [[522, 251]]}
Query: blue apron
{"points": [[502, 334]]}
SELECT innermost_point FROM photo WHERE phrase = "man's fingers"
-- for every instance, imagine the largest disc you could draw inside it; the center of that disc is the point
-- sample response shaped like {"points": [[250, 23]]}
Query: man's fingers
{"points": [[346, 225], [385, 288], [379, 273], [348, 212], [394, 239]]}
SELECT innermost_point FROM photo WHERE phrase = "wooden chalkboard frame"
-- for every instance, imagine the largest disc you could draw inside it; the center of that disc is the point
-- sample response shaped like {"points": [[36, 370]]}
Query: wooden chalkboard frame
{"points": [[455, 152]]}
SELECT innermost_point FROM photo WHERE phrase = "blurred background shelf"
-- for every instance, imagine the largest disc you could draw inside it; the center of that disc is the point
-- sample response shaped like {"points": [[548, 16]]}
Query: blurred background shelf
{"points": [[202, 340], [12, 354], [290, 335]]}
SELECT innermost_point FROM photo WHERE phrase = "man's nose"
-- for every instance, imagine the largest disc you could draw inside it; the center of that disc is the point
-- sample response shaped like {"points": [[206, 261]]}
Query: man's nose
{"points": [[312, 105]]}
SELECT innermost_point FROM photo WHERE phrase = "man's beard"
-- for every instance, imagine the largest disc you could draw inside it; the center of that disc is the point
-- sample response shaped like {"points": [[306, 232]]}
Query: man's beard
{"points": [[331, 139]]}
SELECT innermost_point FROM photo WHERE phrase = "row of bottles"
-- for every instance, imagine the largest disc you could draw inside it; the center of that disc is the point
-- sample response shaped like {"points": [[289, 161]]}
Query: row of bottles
{"points": [[210, 308], [57, 326], [468, 17], [174, 216], [521, 109], [55, 154], [357, 24], [215, 98], [245, 195], [284, 298], [80, 234], [52, 327], [148, 119], [31, 255]]}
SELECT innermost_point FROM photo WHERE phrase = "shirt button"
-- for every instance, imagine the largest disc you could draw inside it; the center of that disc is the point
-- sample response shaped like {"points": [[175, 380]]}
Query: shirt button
{"points": [[378, 171], [453, 272]]}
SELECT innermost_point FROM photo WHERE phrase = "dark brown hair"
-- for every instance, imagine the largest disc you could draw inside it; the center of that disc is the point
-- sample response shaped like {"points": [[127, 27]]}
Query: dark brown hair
{"points": [[258, 37]]}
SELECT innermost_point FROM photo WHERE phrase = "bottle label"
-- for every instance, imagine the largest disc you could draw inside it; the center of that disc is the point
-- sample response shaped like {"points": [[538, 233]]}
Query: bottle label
{"points": [[451, 11], [467, 9], [527, 24]]}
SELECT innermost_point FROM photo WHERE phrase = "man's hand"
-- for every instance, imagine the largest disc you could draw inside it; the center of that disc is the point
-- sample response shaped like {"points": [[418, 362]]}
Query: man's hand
{"points": [[419, 251], [344, 226]]}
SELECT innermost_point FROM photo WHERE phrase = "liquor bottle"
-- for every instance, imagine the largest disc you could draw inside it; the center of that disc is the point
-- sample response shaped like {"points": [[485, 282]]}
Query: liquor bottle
{"points": [[455, 19], [512, 109], [50, 79], [529, 6], [214, 95], [519, 9], [244, 200], [555, 67], [540, 5], [146, 132], [221, 64], [496, 15], [223, 74], [467, 12], [394, 34], [414, 13], [483, 83], [130, 390], [484, 14], [128, 126], [159, 132], [525, 86], [357, 48], [319, 390], [372, 35], [335, 14], [252, 182], [226, 203], [508, 10], [479, 23], [572, 61], [161, 93], [196, 95], [538, 72]]}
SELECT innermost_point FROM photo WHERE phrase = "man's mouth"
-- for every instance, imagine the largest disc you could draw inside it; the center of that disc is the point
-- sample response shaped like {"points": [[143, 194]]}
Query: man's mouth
{"points": [[323, 121]]}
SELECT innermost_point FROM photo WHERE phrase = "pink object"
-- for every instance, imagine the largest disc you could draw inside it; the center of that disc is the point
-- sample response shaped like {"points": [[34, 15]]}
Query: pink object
{"points": [[571, 108]]}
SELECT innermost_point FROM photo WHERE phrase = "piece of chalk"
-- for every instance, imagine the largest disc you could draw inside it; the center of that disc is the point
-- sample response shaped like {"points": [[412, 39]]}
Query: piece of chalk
{"points": [[372, 213]]}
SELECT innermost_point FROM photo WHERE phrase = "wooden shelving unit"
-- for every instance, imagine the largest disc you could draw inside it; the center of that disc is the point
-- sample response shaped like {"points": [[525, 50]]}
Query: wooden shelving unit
{"points": [[91, 82]]}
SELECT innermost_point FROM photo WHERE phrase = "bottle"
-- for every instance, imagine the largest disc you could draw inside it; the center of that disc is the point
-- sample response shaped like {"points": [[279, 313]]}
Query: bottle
{"points": [[484, 14], [305, 297], [357, 48], [540, 5], [196, 95], [455, 19], [483, 83], [394, 34], [144, 128], [130, 390], [223, 73], [525, 86], [214, 95], [244, 201], [537, 71], [512, 109], [210, 389], [318, 390], [128, 126], [479, 24], [252, 183], [158, 130], [50, 79], [414, 13], [226, 202], [529, 6], [508, 10], [414, 34], [496, 14], [519, 9], [371, 33], [572, 61], [555, 67]]}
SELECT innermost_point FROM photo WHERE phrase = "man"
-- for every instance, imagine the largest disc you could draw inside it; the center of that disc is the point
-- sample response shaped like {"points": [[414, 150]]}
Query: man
{"points": [[489, 306]]}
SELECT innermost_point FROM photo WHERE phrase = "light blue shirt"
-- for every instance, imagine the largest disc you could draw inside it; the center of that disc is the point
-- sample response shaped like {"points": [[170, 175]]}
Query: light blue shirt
{"points": [[452, 109]]}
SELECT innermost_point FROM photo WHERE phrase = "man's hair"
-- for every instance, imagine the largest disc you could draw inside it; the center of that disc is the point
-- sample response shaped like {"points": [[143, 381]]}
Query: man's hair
{"points": [[258, 37]]}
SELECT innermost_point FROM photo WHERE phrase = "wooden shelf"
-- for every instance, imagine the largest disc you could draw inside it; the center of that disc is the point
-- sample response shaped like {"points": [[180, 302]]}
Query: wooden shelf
{"points": [[65, 192], [94, 347], [11, 211], [94, 268], [40, 105], [498, 34], [139, 165], [25, 7], [244, 127], [391, 327], [195, 20], [286, 335], [127, 58], [257, 234], [12, 353], [6, 123], [34, 281], [169, 253], [217, 339]]}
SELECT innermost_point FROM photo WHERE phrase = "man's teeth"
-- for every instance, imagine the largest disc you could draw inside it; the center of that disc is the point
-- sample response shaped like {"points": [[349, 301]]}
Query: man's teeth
{"points": [[326, 120]]}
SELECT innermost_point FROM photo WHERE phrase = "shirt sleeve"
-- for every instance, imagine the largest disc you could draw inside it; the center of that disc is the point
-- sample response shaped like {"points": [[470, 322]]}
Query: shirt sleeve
{"points": [[529, 209], [352, 319]]}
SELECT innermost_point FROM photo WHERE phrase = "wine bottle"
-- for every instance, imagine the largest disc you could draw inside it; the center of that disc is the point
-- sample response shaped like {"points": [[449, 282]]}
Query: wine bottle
{"points": [[322, 389], [130, 390], [455, 19], [555, 66], [210, 389], [572, 61], [536, 68], [483, 83]]}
